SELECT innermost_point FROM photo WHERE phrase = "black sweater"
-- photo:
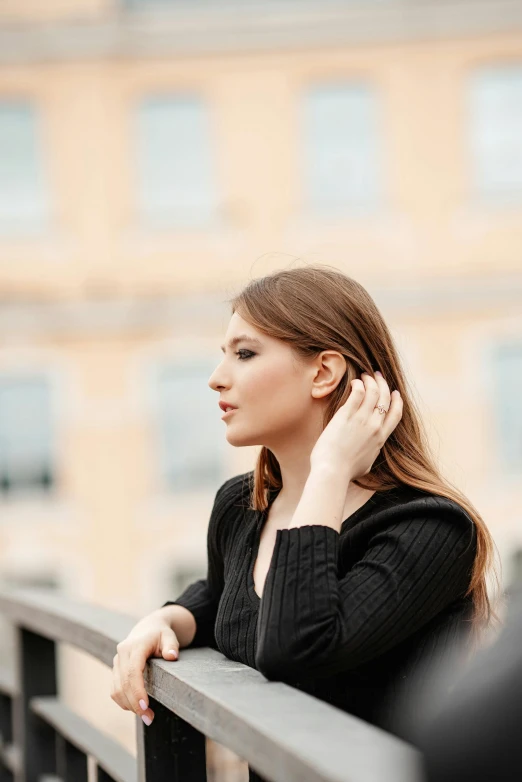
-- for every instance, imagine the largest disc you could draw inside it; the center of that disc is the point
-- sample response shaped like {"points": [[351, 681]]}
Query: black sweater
{"points": [[347, 616]]}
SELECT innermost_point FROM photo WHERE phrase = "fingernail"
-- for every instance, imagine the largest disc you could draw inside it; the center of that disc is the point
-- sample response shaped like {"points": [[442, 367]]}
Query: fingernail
{"points": [[174, 652], [378, 373], [143, 705], [146, 720]]}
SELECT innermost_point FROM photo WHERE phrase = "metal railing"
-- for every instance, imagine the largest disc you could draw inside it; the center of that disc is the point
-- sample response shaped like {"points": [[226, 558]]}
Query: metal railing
{"points": [[283, 733]]}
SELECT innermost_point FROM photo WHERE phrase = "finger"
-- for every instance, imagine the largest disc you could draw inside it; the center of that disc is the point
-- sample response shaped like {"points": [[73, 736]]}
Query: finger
{"points": [[384, 396], [371, 395], [355, 398], [134, 685], [169, 645], [117, 694], [394, 414]]}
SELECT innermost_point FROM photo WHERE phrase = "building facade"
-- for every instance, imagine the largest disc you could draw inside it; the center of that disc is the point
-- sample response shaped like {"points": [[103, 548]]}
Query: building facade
{"points": [[153, 159]]}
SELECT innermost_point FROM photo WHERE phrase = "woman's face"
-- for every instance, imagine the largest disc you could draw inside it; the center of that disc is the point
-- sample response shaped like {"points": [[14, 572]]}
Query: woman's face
{"points": [[271, 389]]}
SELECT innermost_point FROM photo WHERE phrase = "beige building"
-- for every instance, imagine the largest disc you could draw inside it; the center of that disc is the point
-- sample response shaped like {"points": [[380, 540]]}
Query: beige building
{"points": [[154, 158]]}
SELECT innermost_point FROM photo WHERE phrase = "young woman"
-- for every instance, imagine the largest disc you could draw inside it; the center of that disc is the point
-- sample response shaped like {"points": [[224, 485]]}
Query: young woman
{"points": [[344, 559]]}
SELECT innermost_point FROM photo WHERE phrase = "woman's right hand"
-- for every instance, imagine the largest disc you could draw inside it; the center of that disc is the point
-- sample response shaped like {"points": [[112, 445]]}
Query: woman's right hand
{"points": [[152, 636]]}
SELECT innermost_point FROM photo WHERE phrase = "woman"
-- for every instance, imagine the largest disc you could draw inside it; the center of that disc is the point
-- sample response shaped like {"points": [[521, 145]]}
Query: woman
{"points": [[343, 559]]}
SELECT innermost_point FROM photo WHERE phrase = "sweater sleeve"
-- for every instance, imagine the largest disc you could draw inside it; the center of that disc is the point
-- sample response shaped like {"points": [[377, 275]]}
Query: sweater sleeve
{"points": [[311, 622], [201, 597]]}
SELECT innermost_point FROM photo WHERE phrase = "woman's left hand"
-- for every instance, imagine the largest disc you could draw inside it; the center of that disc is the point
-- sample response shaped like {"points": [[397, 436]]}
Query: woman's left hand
{"points": [[356, 433]]}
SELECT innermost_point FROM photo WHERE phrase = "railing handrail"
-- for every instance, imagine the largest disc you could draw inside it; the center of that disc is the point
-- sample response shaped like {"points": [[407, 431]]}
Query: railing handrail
{"points": [[270, 724], [95, 629]]}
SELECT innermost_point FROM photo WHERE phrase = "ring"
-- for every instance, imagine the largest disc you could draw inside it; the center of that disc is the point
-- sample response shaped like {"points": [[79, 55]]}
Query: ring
{"points": [[381, 409]]}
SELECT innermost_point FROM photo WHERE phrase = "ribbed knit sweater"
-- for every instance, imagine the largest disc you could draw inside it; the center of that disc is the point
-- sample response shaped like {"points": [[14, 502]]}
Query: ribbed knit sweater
{"points": [[345, 616]]}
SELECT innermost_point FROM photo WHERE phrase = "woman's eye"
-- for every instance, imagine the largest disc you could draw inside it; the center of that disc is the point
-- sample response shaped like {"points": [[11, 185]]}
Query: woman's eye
{"points": [[243, 357]]}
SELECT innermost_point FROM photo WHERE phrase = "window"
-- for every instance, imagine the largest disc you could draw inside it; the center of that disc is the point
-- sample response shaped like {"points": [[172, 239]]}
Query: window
{"points": [[342, 170], [23, 200], [496, 132], [190, 427], [507, 378], [176, 186], [26, 460]]}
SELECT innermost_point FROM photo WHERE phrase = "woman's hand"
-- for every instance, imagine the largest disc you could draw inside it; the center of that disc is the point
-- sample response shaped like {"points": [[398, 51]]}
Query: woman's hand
{"points": [[152, 636], [354, 436]]}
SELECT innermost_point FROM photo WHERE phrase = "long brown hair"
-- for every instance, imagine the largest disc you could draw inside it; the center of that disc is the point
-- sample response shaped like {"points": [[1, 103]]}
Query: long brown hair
{"points": [[316, 308]]}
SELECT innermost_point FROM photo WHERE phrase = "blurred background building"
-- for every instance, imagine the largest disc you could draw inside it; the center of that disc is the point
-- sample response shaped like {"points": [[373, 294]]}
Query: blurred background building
{"points": [[154, 157]]}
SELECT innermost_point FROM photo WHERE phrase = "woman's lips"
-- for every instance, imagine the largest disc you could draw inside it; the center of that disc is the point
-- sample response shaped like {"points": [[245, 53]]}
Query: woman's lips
{"points": [[225, 415]]}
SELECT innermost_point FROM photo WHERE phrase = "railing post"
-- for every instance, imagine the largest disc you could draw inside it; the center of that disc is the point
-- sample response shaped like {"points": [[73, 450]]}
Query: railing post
{"points": [[6, 731], [171, 749], [71, 762], [36, 675], [102, 776]]}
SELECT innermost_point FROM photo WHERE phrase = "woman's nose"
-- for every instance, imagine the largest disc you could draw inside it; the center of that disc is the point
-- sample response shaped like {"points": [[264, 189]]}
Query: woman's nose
{"points": [[214, 385]]}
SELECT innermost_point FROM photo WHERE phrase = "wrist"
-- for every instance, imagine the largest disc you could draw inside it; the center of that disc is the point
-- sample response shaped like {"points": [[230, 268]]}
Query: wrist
{"points": [[330, 471], [163, 614], [180, 620], [323, 497]]}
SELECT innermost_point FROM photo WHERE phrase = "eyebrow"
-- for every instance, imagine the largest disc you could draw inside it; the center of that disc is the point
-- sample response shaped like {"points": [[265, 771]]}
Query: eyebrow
{"points": [[242, 338]]}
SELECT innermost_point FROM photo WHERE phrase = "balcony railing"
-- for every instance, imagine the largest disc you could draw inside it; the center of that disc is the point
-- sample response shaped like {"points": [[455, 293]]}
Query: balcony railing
{"points": [[284, 734]]}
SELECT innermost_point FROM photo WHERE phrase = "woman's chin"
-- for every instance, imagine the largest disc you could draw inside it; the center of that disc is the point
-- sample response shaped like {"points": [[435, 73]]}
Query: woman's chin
{"points": [[235, 437]]}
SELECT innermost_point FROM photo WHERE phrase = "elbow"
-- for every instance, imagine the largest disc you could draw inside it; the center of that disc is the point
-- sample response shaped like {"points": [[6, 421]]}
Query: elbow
{"points": [[286, 663], [314, 651], [322, 658], [295, 654], [276, 661], [275, 666]]}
